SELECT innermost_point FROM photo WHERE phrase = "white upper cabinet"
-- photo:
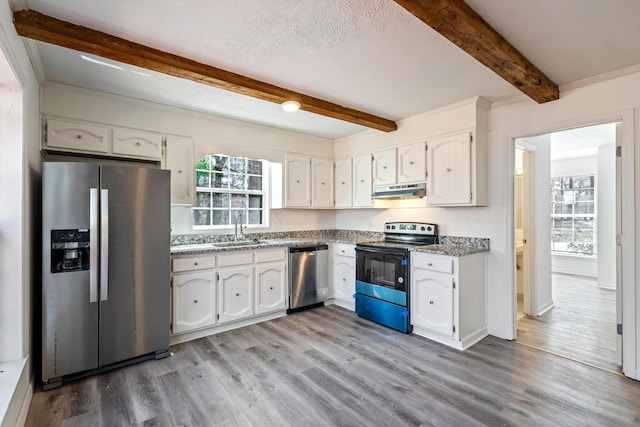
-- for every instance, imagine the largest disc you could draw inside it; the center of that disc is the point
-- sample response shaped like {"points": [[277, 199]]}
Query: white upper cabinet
{"points": [[384, 167], [362, 181], [179, 160], [137, 143], [297, 181], [457, 167], [412, 161], [322, 183], [74, 136], [344, 184]]}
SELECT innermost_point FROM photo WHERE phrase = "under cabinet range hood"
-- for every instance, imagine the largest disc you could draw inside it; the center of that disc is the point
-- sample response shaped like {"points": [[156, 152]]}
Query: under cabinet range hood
{"points": [[400, 191]]}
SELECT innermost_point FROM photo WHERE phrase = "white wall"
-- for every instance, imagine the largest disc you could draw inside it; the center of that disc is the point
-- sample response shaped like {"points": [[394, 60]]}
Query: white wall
{"points": [[212, 134], [19, 223], [599, 102]]}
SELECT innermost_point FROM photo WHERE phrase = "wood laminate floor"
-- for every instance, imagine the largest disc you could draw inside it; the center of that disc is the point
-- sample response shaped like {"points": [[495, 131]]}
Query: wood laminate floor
{"points": [[582, 325], [328, 367]]}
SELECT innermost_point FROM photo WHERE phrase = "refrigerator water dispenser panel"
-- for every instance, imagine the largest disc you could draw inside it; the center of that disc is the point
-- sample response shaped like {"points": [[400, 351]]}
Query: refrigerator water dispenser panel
{"points": [[69, 250]]}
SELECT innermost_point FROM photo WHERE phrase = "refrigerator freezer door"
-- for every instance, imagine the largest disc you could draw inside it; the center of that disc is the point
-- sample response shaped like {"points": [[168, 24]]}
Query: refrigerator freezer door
{"points": [[134, 309], [69, 319]]}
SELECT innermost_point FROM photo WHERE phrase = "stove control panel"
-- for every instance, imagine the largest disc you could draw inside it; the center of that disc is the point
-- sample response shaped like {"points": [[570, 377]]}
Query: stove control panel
{"points": [[411, 228]]}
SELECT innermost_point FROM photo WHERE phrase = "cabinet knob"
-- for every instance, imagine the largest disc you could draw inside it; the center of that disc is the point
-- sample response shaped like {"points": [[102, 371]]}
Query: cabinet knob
{"points": [[342, 251], [179, 170], [448, 169], [78, 136], [195, 301], [137, 144], [195, 263], [344, 280], [271, 287], [430, 302], [238, 295], [343, 182], [411, 163], [297, 181], [430, 264], [362, 180], [384, 167], [322, 183]]}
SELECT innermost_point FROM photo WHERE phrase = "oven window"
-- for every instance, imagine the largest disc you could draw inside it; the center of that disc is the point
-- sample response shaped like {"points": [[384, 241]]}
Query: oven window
{"points": [[382, 273]]}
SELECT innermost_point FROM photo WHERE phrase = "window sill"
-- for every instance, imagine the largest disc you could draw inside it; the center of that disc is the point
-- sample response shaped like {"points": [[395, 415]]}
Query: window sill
{"points": [[572, 255]]}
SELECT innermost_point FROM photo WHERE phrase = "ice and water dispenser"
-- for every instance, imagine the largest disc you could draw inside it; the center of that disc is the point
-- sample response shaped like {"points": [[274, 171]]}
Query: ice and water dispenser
{"points": [[69, 250]]}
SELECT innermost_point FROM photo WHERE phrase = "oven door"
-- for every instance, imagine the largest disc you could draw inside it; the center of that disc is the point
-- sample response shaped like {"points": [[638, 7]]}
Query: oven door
{"points": [[387, 268]]}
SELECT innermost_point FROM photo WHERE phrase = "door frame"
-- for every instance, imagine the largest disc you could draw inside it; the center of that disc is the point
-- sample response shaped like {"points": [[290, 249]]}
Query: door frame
{"points": [[627, 230]]}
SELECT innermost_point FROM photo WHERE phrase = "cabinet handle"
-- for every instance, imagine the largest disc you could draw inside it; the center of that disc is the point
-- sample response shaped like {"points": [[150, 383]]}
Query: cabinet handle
{"points": [[448, 169], [430, 302], [195, 301], [238, 295]]}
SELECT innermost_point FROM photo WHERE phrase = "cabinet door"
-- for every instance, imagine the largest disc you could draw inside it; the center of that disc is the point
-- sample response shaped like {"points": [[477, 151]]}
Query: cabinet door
{"points": [[449, 166], [343, 183], [412, 160], [235, 293], [137, 143], [432, 301], [270, 287], [362, 181], [344, 278], [194, 301], [179, 155], [322, 183], [384, 167], [76, 136], [297, 181]]}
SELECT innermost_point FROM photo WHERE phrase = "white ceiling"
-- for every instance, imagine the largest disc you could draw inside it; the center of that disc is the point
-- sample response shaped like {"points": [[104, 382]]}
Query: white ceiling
{"points": [[370, 55]]}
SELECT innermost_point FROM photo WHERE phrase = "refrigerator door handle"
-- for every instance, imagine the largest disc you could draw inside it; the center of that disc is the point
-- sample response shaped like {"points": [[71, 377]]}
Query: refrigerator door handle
{"points": [[104, 245], [93, 245]]}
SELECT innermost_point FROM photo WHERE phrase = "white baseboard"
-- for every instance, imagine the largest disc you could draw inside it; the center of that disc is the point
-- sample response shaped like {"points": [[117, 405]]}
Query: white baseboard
{"points": [[546, 308]]}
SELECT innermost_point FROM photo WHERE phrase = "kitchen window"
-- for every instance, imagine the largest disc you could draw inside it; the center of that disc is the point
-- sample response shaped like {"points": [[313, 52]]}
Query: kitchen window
{"points": [[229, 190], [573, 215]]}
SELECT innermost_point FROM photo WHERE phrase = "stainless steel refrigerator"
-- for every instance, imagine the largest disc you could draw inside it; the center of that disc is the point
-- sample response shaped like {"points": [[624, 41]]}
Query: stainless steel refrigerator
{"points": [[105, 278]]}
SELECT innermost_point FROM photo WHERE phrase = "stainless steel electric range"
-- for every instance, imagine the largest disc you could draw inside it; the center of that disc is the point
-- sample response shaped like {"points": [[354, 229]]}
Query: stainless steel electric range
{"points": [[382, 273]]}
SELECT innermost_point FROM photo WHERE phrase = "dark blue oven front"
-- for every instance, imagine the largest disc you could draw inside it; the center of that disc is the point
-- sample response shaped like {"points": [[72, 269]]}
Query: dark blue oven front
{"points": [[382, 286]]}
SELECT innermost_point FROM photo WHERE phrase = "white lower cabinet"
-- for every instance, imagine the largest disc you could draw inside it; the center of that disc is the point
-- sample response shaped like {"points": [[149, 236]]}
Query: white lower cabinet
{"points": [[344, 275], [194, 301], [271, 287], [213, 291], [449, 298], [235, 293]]}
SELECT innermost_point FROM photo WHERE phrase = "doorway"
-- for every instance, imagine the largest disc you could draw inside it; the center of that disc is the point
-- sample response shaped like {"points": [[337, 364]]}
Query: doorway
{"points": [[566, 267]]}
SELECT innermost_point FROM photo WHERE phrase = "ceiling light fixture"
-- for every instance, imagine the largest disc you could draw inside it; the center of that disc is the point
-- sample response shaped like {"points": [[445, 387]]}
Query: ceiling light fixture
{"points": [[290, 106]]}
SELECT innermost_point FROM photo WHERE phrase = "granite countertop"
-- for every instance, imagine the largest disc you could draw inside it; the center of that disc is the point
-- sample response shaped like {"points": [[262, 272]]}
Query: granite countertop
{"points": [[450, 250], [202, 244]]}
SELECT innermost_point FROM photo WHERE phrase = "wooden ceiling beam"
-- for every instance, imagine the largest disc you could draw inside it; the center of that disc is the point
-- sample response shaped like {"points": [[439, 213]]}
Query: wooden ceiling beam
{"points": [[37, 26], [456, 21]]}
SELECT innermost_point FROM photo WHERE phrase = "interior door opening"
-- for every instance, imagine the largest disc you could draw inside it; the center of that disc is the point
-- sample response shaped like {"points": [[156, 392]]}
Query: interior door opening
{"points": [[567, 276]]}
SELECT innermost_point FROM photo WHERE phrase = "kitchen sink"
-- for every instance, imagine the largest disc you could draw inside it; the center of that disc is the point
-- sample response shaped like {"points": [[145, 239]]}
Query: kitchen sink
{"points": [[237, 243]]}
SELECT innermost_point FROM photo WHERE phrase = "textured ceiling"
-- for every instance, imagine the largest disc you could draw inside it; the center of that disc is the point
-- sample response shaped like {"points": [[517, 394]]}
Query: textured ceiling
{"points": [[370, 55]]}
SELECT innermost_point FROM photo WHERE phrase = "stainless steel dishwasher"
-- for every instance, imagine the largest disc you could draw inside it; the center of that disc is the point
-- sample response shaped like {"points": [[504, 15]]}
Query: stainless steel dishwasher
{"points": [[308, 275]]}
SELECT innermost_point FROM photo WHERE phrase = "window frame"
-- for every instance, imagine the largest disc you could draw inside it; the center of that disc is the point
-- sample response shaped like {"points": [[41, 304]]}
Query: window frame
{"points": [[263, 193], [574, 217]]}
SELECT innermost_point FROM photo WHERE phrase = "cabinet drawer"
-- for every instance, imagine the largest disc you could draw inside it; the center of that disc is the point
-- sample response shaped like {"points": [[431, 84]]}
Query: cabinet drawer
{"points": [[442, 265], [235, 258], [344, 249], [137, 143], [76, 136], [193, 263], [269, 255]]}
